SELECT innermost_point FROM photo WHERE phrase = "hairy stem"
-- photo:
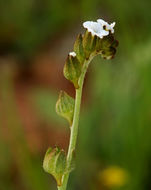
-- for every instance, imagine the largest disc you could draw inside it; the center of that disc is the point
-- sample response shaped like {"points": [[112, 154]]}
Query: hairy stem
{"points": [[74, 127]]}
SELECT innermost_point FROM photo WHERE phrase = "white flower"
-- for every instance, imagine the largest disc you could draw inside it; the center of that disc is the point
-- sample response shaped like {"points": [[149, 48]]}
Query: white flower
{"points": [[72, 54], [106, 26], [99, 28], [95, 28]]}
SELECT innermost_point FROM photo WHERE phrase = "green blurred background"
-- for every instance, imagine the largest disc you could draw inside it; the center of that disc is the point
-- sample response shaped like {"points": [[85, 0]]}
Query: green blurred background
{"points": [[114, 142]]}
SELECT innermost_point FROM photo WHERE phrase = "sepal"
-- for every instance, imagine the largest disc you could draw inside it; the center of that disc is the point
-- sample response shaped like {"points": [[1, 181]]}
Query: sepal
{"points": [[55, 163], [108, 53], [89, 43], [78, 49], [107, 46], [115, 43], [72, 70], [107, 41], [65, 106]]}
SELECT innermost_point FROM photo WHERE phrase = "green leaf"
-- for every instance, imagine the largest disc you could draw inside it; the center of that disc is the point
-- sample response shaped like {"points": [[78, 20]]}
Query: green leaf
{"points": [[78, 48], [55, 163], [65, 106], [72, 70]]}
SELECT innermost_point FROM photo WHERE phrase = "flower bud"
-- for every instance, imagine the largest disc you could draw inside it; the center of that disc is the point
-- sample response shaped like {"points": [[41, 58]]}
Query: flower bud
{"points": [[89, 43], [78, 49], [115, 43], [106, 46], [104, 43], [65, 106], [108, 53], [55, 163], [107, 41], [72, 69]]}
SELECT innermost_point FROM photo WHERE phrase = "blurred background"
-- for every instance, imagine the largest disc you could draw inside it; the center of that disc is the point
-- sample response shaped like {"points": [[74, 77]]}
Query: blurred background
{"points": [[114, 142]]}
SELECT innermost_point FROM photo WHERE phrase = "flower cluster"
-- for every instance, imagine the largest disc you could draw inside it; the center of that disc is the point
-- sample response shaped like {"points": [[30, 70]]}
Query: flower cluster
{"points": [[98, 39], [99, 28]]}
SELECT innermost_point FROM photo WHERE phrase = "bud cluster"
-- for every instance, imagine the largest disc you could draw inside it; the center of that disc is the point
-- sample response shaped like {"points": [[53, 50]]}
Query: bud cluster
{"points": [[98, 39]]}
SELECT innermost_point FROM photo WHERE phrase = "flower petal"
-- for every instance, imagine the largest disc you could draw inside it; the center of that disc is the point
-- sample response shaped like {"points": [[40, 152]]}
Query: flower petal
{"points": [[109, 27], [72, 54], [95, 28]]}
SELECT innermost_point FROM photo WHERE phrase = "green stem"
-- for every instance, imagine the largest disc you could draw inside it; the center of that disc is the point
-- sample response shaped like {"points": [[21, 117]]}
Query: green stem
{"points": [[74, 127]]}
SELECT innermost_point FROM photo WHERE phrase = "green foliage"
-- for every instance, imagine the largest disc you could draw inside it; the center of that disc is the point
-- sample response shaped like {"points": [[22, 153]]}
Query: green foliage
{"points": [[27, 24]]}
